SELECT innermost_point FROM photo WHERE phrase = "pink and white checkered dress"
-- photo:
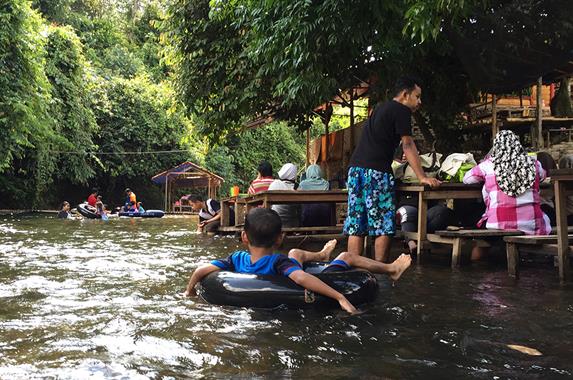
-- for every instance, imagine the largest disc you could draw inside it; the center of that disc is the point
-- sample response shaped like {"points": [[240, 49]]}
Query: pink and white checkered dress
{"points": [[510, 213]]}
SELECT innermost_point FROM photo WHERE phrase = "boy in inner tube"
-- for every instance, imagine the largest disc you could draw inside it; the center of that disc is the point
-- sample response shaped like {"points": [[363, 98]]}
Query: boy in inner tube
{"points": [[263, 232]]}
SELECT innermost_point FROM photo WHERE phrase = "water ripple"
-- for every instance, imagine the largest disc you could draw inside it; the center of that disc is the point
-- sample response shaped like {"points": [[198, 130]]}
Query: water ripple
{"points": [[87, 299]]}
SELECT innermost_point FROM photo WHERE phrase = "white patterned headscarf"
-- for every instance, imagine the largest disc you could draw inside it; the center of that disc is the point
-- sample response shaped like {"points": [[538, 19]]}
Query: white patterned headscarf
{"points": [[514, 169]]}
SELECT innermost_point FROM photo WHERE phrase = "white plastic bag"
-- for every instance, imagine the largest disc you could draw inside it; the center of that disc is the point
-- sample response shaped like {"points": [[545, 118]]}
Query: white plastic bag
{"points": [[430, 164], [453, 162]]}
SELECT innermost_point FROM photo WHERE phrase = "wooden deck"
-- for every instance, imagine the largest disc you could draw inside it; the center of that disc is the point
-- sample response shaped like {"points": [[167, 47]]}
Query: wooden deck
{"points": [[292, 230], [425, 193], [267, 198]]}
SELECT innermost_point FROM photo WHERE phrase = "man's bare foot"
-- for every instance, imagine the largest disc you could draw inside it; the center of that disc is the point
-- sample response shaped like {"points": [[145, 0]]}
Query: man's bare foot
{"points": [[327, 250], [399, 266]]}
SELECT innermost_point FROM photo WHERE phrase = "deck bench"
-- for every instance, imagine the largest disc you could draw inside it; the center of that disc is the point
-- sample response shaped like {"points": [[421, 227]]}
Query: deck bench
{"points": [[293, 230], [457, 237], [535, 244]]}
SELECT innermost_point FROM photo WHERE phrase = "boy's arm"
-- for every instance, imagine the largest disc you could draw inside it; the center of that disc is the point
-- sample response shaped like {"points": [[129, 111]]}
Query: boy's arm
{"points": [[197, 276], [310, 282]]}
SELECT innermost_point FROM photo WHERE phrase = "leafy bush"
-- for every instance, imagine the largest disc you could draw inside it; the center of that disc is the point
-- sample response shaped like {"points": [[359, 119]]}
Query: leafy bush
{"points": [[25, 89]]}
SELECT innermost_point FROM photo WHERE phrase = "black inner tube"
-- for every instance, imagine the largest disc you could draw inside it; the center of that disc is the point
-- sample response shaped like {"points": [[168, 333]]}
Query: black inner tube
{"points": [[85, 210], [271, 291]]}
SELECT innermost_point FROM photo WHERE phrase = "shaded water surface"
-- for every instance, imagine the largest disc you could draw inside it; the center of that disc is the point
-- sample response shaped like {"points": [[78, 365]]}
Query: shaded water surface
{"points": [[90, 299]]}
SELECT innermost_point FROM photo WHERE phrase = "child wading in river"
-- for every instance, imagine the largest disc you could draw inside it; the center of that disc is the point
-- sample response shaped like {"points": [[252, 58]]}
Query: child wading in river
{"points": [[100, 208], [263, 233]]}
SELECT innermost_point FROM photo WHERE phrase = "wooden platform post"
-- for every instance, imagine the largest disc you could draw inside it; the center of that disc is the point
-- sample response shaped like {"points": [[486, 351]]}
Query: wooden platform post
{"points": [[563, 240], [308, 147], [422, 215], [326, 146], [327, 116], [539, 115], [494, 128], [456, 252], [512, 260], [166, 189]]}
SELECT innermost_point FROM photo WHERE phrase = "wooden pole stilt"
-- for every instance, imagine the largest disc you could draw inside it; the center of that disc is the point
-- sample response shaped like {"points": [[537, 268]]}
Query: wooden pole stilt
{"points": [[308, 147], [539, 115], [165, 196], [494, 128]]}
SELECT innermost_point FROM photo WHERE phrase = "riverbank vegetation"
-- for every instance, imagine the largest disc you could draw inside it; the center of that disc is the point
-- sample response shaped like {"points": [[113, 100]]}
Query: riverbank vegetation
{"points": [[88, 100], [107, 93]]}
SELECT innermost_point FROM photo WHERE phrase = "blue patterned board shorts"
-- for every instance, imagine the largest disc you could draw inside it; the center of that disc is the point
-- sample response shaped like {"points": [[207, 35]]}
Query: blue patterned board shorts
{"points": [[371, 205]]}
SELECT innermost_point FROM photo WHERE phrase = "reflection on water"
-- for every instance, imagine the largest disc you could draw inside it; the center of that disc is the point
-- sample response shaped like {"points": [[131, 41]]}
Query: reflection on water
{"points": [[81, 299]]}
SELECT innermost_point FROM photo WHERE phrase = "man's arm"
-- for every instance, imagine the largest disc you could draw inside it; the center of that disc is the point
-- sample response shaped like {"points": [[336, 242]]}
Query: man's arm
{"points": [[310, 282], [411, 152], [215, 218], [216, 207], [197, 276]]}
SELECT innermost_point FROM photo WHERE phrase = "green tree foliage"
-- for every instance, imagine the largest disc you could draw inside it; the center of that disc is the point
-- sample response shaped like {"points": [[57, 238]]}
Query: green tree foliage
{"points": [[237, 161], [71, 122], [135, 115], [425, 19], [24, 95], [90, 82], [214, 79], [240, 59], [54, 10], [275, 143], [146, 34], [107, 46], [74, 120]]}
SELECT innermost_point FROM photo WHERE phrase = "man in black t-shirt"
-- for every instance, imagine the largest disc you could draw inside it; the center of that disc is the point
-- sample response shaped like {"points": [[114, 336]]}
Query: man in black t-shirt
{"points": [[371, 205]]}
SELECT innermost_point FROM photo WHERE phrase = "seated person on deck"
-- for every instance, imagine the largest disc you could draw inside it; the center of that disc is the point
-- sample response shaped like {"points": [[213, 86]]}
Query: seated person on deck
{"points": [[315, 214], [511, 187], [546, 194], [264, 178], [262, 234], [438, 217], [566, 162], [289, 213]]}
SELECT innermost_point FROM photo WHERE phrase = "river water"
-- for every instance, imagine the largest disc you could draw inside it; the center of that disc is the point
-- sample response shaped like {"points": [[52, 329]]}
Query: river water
{"points": [[102, 300]]}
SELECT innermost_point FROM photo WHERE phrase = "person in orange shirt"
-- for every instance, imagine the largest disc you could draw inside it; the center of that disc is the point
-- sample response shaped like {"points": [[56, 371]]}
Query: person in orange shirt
{"points": [[129, 199]]}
